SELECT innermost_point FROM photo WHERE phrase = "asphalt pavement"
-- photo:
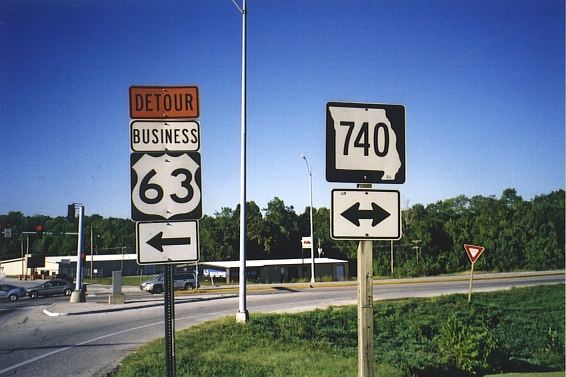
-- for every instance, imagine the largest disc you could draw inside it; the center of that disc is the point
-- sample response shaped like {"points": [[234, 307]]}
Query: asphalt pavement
{"points": [[41, 336], [97, 295], [97, 302]]}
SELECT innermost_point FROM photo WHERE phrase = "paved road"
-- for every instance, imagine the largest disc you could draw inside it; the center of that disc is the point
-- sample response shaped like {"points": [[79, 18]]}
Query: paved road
{"points": [[89, 339]]}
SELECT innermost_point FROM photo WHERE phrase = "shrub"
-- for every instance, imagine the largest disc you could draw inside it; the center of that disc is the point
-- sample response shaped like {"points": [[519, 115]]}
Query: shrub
{"points": [[466, 346]]}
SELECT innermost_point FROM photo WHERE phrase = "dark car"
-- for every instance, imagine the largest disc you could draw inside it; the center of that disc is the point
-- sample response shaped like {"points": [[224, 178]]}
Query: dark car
{"points": [[64, 277], [11, 292], [52, 287]]}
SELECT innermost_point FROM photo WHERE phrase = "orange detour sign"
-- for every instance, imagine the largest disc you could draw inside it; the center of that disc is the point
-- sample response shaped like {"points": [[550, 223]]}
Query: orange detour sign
{"points": [[158, 102], [474, 252]]}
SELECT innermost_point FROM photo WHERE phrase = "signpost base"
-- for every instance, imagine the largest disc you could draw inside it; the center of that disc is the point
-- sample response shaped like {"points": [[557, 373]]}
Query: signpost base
{"points": [[77, 296], [117, 299], [242, 317]]}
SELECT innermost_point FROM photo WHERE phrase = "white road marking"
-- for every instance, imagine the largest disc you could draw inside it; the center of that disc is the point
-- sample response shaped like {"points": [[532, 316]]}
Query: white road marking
{"points": [[37, 358]]}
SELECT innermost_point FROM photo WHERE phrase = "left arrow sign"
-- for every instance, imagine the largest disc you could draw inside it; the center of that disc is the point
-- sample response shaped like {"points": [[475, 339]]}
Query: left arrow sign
{"points": [[157, 242], [376, 214]]}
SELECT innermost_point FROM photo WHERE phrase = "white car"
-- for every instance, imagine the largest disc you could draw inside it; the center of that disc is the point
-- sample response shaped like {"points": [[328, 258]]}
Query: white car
{"points": [[182, 280]]}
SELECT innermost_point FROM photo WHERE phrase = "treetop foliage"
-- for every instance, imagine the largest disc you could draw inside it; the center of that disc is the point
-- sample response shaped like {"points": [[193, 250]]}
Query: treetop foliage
{"points": [[516, 233]]}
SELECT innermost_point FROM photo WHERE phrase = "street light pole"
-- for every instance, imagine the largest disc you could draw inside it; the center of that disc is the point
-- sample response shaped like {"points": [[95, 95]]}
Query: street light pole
{"points": [[78, 295], [242, 315], [309, 170], [91, 253], [122, 263], [22, 250]]}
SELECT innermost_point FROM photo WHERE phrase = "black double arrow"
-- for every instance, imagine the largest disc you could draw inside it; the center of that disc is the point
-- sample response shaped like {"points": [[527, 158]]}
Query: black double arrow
{"points": [[376, 214], [157, 242]]}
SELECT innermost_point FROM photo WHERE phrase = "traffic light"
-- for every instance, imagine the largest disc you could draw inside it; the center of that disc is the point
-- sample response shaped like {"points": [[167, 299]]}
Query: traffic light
{"points": [[71, 213], [39, 231]]}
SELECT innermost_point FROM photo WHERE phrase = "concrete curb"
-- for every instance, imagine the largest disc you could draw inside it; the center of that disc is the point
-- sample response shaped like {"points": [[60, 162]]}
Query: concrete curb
{"points": [[118, 308], [48, 312]]}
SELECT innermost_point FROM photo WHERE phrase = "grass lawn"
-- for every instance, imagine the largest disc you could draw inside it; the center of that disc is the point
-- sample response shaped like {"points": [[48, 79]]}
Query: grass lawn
{"points": [[126, 280], [542, 374], [519, 330]]}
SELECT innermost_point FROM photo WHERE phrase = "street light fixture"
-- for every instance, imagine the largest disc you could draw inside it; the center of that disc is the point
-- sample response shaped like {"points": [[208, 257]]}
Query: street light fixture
{"points": [[309, 170]]}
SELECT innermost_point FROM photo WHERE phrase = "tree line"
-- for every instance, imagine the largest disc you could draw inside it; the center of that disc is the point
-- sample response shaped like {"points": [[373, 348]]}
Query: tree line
{"points": [[517, 234]]}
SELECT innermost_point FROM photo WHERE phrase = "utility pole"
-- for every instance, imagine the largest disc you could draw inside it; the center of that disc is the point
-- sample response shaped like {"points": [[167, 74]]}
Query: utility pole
{"points": [[242, 315], [417, 249]]}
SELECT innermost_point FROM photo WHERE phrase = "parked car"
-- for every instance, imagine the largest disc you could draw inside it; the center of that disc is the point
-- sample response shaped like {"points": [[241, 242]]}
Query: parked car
{"points": [[52, 287], [184, 280], [11, 292]]}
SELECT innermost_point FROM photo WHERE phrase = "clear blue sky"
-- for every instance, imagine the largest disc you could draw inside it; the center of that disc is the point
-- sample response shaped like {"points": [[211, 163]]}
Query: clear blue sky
{"points": [[482, 82]]}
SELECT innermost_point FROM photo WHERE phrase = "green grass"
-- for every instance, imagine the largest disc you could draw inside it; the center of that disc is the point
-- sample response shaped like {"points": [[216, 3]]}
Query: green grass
{"points": [[126, 280], [521, 330], [542, 374]]}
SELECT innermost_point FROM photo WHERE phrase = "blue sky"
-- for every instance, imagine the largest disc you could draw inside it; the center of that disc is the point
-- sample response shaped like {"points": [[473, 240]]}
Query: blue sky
{"points": [[482, 83]]}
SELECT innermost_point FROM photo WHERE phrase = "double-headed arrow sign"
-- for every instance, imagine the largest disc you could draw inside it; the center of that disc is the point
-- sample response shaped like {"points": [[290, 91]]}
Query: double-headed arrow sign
{"points": [[359, 214], [376, 214]]}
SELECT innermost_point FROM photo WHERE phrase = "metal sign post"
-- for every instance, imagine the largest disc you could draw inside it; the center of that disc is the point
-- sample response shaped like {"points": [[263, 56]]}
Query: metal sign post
{"points": [[169, 298]]}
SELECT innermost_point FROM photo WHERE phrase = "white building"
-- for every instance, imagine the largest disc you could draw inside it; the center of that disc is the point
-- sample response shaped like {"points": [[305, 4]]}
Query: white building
{"points": [[261, 271]]}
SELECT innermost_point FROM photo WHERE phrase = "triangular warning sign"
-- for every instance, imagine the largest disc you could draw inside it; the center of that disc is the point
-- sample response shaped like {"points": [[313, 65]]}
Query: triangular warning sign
{"points": [[474, 252]]}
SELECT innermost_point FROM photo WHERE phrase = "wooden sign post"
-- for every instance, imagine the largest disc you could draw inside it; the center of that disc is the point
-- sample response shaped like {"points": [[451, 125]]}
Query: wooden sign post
{"points": [[474, 253]]}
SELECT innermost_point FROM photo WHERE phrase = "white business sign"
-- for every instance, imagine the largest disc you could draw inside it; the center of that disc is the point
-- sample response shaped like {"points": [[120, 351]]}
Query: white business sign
{"points": [[365, 143], [306, 242], [167, 242], [166, 186], [214, 273], [365, 214], [166, 135]]}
